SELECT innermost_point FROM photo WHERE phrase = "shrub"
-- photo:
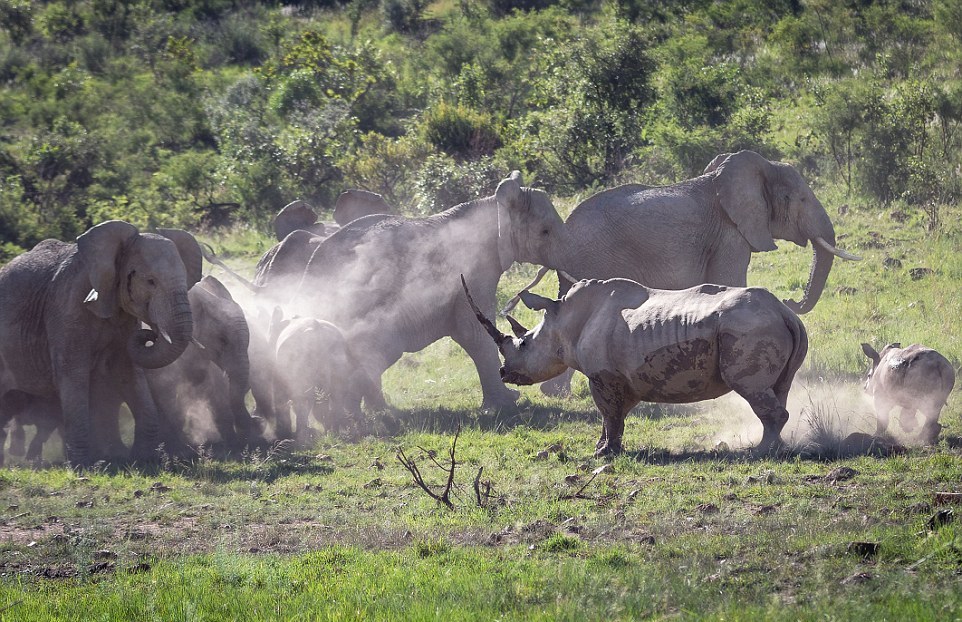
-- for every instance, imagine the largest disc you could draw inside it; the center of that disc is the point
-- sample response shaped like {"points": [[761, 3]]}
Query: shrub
{"points": [[461, 132]]}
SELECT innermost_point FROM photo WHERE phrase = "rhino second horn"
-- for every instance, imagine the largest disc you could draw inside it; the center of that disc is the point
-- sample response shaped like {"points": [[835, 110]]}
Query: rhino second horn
{"points": [[517, 327]]}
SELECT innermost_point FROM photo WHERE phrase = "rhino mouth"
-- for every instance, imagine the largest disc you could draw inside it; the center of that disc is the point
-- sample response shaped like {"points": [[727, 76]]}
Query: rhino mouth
{"points": [[512, 377]]}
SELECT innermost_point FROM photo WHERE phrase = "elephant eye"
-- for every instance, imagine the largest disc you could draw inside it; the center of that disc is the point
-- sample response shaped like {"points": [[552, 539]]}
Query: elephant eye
{"points": [[544, 232], [151, 282]]}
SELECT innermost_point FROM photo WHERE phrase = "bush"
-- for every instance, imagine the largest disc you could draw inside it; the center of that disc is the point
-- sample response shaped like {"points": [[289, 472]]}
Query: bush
{"points": [[442, 183], [460, 132]]}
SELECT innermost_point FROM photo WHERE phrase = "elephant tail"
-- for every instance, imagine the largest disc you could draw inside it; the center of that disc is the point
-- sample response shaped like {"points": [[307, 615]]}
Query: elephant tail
{"points": [[212, 258]]}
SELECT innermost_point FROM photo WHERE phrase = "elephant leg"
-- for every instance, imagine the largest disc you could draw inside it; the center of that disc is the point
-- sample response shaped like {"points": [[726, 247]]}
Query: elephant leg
{"points": [[560, 385], [18, 439], [883, 409], [613, 399], [147, 429], [45, 429], [75, 406], [484, 354]]}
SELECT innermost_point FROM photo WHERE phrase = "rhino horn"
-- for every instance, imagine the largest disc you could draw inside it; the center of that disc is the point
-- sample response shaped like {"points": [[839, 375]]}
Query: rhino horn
{"points": [[489, 326]]}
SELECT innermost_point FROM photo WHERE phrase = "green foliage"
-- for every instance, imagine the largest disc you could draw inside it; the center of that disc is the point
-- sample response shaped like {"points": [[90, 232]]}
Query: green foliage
{"points": [[460, 132], [108, 103], [591, 107]]}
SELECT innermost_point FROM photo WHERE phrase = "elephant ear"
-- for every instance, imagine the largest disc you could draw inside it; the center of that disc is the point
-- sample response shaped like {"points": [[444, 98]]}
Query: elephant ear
{"points": [[295, 215], [213, 285], [508, 195], [741, 183], [190, 253], [100, 248]]}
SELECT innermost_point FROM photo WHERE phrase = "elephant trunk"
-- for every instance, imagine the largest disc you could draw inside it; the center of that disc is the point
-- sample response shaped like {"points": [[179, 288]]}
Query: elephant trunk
{"points": [[821, 266], [167, 338]]}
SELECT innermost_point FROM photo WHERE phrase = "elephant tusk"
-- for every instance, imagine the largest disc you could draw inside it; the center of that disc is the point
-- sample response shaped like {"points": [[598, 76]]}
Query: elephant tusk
{"points": [[568, 276], [166, 336], [92, 296], [835, 251], [517, 297], [198, 344]]}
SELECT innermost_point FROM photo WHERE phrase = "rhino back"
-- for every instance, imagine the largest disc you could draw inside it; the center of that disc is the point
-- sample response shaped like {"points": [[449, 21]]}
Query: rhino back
{"points": [[914, 373]]}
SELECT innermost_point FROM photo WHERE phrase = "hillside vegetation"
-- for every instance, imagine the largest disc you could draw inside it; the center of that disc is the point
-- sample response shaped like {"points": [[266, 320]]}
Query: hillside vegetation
{"points": [[211, 112]]}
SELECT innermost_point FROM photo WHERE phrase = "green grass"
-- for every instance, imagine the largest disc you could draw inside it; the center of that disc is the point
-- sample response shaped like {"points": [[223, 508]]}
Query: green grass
{"points": [[679, 527]]}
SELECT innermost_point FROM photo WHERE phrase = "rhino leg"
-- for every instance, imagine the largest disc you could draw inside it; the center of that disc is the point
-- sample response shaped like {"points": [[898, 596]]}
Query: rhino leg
{"points": [[883, 408], [770, 410], [929, 434], [908, 419], [613, 398]]}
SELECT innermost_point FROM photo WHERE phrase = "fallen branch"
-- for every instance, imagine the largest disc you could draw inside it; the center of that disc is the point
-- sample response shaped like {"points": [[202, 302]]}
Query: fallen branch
{"points": [[412, 467], [579, 495]]}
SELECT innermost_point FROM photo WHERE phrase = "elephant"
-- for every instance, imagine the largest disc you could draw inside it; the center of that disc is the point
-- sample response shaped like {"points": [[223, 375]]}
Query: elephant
{"points": [[702, 230], [916, 379], [213, 373], [312, 357], [636, 343], [23, 409], [353, 204], [70, 325], [297, 215], [384, 281]]}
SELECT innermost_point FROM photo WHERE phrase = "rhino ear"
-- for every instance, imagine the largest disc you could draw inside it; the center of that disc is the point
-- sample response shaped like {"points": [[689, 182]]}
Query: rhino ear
{"points": [[871, 353], [539, 303], [100, 249]]}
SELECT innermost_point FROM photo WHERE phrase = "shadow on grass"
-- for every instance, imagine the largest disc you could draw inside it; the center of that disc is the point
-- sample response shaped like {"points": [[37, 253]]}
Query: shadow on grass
{"points": [[527, 414]]}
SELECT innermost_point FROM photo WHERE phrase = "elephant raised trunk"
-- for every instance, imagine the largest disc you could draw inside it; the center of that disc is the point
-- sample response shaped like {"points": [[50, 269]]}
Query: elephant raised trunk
{"points": [[167, 339], [824, 255]]}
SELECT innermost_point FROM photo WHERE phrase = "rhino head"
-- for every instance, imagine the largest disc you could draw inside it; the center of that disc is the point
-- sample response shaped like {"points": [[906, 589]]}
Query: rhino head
{"points": [[531, 356]]}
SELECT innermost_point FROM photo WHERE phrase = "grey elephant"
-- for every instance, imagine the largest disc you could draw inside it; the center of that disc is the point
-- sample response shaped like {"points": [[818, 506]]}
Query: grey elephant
{"points": [[212, 377], [635, 343], [384, 280], [915, 379], [20, 410], [297, 215], [354, 203], [70, 311], [315, 372], [702, 230]]}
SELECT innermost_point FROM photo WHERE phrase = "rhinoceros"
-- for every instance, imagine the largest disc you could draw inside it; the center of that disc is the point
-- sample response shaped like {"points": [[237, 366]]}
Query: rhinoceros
{"points": [[635, 343], [915, 379]]}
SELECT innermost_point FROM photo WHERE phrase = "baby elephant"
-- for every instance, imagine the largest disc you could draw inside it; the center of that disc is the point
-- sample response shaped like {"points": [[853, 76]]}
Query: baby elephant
{"points": [[915, 378], [639, 344]]}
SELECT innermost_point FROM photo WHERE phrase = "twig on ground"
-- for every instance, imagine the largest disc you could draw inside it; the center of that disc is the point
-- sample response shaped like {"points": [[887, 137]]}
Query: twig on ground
{"points": [[412, 467]]}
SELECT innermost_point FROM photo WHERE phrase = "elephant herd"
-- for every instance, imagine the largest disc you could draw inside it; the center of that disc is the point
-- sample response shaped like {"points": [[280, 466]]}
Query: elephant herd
{"points": [[125, 317]]}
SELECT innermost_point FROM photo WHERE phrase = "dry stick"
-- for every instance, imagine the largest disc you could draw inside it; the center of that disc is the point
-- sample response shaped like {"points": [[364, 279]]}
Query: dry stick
{"points": [[482, 499], [11, 605], [412, 468], [594, 474]]}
